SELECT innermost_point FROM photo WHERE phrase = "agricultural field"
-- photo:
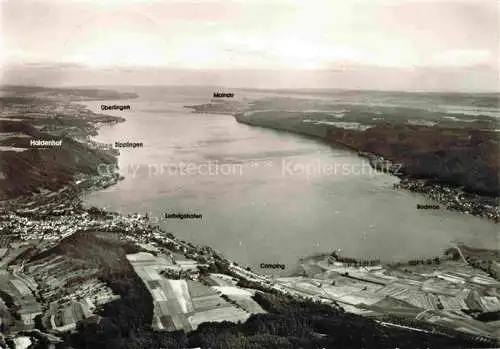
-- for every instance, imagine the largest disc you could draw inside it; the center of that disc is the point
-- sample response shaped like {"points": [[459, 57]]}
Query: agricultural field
{"points": [[63, 318], [70, 288], [181, 304], [241, 297], [17, 295], [449, 290]]}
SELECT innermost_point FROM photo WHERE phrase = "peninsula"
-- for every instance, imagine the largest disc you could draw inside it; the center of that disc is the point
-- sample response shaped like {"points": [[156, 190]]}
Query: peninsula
{"points": [[78, 277]]}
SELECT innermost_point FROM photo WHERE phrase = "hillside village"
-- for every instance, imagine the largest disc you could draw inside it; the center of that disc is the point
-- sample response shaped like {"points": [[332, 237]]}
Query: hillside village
{"points": [[58, 290], [69, 273]]}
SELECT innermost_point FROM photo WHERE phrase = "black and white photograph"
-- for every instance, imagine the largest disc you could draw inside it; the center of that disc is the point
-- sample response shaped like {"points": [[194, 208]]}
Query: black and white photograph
{"points": [[249, 174]]}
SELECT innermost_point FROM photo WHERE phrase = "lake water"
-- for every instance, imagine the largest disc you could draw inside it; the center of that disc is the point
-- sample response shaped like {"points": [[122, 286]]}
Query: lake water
{"points": [[266, 196]]}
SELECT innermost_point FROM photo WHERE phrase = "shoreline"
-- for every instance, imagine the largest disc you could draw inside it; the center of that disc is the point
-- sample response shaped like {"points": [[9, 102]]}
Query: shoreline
{"points": [[89, 184], [48, 204], [452, 197], [58, 215]]}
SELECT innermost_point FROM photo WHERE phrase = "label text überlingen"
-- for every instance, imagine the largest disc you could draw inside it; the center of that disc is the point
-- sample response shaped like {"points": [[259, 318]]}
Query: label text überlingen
{"points": [[115, 107]]}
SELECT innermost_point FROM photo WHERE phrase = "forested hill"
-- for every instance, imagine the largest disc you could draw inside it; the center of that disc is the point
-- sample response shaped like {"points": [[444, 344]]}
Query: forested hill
{"points": [[33, 168], [453, 156], [289, 323]]}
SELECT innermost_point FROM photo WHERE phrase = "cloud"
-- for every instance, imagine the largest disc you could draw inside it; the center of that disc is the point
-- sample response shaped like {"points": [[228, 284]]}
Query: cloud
{"points": [[462, 57], [343, 35]]}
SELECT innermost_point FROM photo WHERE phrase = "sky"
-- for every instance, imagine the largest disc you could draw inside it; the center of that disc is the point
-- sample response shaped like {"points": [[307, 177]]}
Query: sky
{"points": [[402, 36]]}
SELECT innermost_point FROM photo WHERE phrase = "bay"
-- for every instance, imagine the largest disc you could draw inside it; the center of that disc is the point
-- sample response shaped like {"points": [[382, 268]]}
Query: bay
{"points": [[265, 196]]}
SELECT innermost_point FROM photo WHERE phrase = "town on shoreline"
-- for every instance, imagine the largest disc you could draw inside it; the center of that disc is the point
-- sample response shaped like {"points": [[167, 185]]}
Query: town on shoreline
{"points": [[413, 178], [42, 232]]}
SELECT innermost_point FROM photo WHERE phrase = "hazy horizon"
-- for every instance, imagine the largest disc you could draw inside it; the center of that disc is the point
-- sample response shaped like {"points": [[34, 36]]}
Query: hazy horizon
{"points": [[411, 45], [362, 78]]}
